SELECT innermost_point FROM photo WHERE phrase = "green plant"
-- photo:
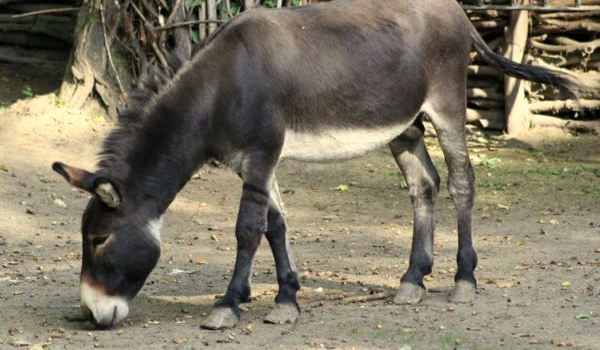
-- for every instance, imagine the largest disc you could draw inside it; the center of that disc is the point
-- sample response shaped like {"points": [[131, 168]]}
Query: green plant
{"points": [[27, 91]]}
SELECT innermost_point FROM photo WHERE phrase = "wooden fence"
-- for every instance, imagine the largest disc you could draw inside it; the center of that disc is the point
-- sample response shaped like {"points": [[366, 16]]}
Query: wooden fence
{"points": [[562, 34]]}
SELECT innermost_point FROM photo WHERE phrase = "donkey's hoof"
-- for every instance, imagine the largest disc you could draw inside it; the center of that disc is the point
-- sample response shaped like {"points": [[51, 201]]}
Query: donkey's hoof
{"points": [[409, 294], [283, 313], [220, 318], [464, 292]]}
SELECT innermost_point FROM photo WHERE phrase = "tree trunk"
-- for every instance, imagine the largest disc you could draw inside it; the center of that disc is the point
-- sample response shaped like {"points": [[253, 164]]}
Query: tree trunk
{"points": [[92, 68]]}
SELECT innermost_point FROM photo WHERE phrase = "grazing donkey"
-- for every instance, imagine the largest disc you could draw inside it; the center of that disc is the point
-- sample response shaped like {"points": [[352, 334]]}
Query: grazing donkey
{"points": [[319, 83]]}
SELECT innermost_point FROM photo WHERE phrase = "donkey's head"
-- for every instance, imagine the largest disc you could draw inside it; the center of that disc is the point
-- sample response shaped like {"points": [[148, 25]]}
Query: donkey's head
{"points": [[121, 246]]}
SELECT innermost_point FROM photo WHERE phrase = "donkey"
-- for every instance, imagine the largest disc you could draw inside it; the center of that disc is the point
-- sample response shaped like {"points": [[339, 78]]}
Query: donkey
{"points": [[320, 83]]}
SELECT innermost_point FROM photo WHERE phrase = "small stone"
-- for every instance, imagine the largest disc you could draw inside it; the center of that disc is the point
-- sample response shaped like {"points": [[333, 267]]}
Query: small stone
{"points": [[319, 289], [59, 202]]}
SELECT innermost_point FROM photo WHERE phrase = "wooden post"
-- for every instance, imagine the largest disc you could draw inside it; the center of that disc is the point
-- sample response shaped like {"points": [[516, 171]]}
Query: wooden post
{"points": [[517, 111], [202, 17], [212, 15]]}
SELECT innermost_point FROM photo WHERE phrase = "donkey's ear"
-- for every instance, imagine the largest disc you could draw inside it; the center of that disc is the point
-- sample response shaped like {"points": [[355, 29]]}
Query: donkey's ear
{"points": [[94, 184], [79, 178], [107, 192]]}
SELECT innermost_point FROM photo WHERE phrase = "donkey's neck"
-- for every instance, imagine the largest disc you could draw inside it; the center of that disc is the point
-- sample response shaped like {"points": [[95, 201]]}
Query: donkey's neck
{"points": [[167, 148]]}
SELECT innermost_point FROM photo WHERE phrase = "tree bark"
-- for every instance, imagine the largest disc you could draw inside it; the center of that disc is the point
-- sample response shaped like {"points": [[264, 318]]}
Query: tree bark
{"points": [[89, 70]]}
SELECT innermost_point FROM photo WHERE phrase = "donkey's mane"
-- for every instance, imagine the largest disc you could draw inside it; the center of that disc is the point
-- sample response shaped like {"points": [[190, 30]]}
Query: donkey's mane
{"points": [[140, 100], [120, 140]]}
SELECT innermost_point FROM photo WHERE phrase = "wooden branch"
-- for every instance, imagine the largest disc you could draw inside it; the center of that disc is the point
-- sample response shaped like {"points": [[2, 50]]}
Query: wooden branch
{"points": [[11, 54], [107, 48], [587, 47], [485, 71], [486, 104], [563, 106], [493, 120], [568, 15], [560, 26], [487, 94], [475, 82], [538, 120], [44, 25], [31, 40], [490, 24], [41, 12], [173, 13], [189, 23]]}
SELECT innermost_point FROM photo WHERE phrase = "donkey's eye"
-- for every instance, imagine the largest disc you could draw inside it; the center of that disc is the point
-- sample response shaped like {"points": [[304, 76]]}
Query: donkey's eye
{"points": [[97, 241]]}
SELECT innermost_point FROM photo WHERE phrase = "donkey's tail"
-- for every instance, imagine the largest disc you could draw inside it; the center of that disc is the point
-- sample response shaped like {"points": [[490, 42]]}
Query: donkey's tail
{"points": [[542, 75]]}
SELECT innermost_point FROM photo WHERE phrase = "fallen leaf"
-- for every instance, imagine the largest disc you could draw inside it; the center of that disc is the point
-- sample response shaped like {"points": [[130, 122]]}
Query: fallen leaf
{"points": [[583, 316], [342, 188], [502, 206], [201, 261], [565, 285], [553, 222], [504, 285], [3, 168], [19, 342], [250, 327]]}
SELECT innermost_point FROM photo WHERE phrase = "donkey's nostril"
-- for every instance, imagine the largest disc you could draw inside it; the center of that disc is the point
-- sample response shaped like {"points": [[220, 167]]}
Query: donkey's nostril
{"points": [[86, 312], [114, 318]]}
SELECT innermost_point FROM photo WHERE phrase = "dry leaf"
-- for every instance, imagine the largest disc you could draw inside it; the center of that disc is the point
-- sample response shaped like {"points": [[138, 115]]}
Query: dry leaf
{"points": [[342, 188]]}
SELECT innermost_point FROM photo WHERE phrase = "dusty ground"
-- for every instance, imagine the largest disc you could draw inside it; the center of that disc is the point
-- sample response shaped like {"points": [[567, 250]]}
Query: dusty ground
{"points": [[536, 228]]}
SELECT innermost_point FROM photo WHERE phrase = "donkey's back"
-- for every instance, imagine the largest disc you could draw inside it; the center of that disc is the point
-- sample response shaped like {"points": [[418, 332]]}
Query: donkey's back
{"points": [[339, 78]]}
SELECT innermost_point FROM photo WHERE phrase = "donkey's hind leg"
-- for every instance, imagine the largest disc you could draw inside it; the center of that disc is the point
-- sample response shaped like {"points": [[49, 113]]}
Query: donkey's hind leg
{"points": [[286, 310], [448, 118], [423, 183]]}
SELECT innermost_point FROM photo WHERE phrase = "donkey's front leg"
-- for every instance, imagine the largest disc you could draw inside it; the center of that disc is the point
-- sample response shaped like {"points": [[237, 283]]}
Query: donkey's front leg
{"points": [[287, 309], [251, 225]]}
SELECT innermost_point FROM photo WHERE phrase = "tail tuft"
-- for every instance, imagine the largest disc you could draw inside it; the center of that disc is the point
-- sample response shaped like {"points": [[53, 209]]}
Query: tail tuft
{"points": [[563, 80]]}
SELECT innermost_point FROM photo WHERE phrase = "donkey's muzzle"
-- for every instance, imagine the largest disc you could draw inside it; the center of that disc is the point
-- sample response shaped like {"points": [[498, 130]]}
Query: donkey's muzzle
{"points": [[104, 311]]}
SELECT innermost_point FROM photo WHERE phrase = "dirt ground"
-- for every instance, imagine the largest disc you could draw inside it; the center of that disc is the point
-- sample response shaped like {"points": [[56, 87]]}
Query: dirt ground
{"points": [[536, 230]]}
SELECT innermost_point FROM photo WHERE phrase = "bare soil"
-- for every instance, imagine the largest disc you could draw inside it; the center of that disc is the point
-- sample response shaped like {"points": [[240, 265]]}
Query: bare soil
{"points": [[536, 229]]}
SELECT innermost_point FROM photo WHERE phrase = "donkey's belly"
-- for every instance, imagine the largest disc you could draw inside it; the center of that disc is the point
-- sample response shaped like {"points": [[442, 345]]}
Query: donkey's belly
{"points": [[336, 144]]}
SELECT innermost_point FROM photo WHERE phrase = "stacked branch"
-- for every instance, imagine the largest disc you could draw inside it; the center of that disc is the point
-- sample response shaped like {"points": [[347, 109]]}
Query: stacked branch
{"points": [[558, 40], [29, 38]]}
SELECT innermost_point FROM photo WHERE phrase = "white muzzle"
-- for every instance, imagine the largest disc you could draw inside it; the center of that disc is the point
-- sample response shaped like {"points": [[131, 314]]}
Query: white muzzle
{"points": [[106, 310]]}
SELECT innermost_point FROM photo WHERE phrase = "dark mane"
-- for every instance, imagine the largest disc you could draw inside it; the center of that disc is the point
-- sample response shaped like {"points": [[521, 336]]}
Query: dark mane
{"points": [[151, 83], [118, 143]]}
